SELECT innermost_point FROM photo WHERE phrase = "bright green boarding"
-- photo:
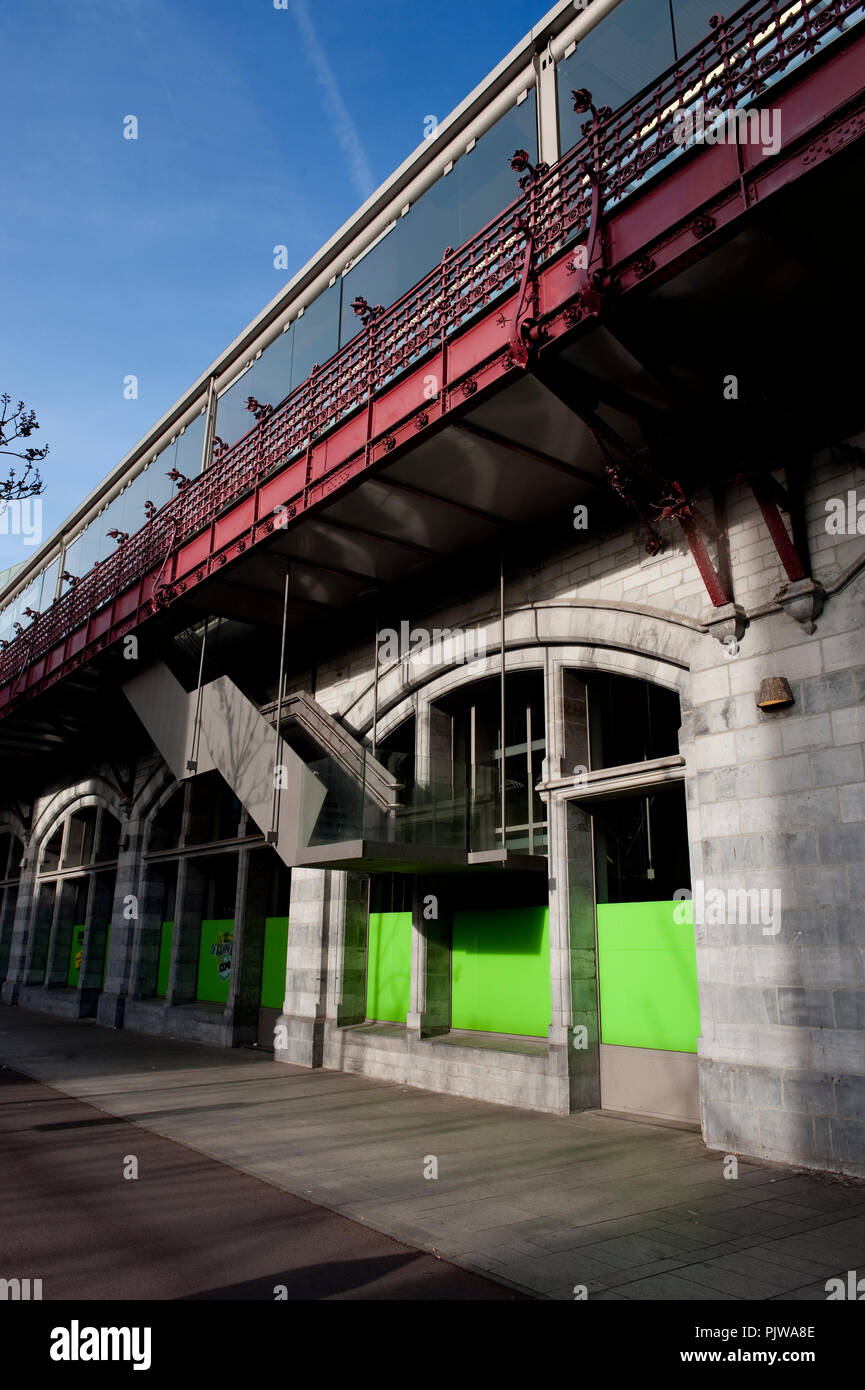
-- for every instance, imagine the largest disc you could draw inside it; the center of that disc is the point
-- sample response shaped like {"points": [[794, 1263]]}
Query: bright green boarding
{"points": [[388, 971], [501, 971], [163, 969], [273, 965], [647, 970], [214, 960]]}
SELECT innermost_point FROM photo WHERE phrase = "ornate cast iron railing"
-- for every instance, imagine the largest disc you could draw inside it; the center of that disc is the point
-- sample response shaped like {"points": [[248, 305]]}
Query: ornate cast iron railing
{"points": [[619, 152]]}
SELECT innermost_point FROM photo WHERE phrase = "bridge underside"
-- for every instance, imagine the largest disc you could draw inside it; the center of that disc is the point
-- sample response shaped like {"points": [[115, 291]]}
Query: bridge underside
{"points": [[736, 363]]}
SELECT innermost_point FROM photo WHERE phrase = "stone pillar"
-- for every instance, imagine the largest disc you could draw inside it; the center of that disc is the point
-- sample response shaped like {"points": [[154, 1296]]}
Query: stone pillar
{"points": [[779, 814], [123, 912], [430, 1005], [146, 936], [254, 869], [300, 1028], [574, 1035], [25, 912], [188, 916], [348, 949], [100, 901]]}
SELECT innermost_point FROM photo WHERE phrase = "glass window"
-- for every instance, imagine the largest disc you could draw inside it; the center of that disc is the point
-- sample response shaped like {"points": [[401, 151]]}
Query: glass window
{"points": [[316, 334], [214, 811], [630, 720], [80, 838], [51, 853], [268, 381], [189, 447], [691, 21], [641, 847], [488, 184], [109, 839], [168, 823], [49, 586], [616, 59], [459, 204]]}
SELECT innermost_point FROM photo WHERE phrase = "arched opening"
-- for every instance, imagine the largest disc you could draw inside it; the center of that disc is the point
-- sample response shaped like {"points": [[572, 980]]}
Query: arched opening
{"points": [[73, 904]]}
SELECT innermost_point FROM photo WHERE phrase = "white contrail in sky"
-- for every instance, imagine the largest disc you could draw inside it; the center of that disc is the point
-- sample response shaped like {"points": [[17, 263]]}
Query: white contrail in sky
{"points": [[343, 126]]}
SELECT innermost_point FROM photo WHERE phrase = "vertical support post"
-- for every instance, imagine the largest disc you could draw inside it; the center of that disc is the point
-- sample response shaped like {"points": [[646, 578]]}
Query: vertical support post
{"points": [[272, 835], [209, 425], [502, 692], [375, 692], [192, 760]]}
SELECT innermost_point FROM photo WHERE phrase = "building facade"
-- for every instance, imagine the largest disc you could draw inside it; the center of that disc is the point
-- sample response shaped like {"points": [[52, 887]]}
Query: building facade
{"points": [[463, 684]]}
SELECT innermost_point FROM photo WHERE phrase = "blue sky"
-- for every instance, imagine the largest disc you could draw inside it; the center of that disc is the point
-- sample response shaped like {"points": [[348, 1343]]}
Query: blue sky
{"points": [[148, 256]]}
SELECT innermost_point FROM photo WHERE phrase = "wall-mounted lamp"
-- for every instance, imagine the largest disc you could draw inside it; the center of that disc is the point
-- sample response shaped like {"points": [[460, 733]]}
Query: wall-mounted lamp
{"points": [[775, 693]]}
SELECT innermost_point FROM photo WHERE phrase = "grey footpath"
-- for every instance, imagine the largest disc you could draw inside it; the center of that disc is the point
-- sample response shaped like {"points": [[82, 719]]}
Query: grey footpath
{"points": [[547, 1204]]}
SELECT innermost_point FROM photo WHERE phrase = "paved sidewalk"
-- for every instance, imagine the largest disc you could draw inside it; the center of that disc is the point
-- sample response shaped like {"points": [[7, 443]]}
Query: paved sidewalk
{"points": [[544, 1203], [188, 1227]]}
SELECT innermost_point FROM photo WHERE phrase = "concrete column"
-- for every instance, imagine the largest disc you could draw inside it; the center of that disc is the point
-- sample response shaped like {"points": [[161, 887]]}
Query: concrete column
{"points": [[300, 1028], [25, 908], [123, 913], [777, 820], [429, 1010], [7, 922], [188, 915], [346, 950], [254, 869], [100, 903], [151, 911], [573, 958]]}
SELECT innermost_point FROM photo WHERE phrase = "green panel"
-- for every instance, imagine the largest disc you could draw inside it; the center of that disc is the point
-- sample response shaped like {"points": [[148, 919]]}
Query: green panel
{"points": [[105, 961], [214, 960], [501, 971], [273, 966], [163, 969], [647, 969], [76, 953], [388, 973]]}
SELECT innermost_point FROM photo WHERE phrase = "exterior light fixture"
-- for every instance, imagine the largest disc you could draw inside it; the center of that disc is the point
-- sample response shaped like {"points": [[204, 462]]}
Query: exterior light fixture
{"points": [[775, 693]]}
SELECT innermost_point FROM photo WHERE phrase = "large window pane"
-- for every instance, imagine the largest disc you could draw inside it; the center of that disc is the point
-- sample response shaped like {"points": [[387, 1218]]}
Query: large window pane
{"points": [[691, 21], [316, 334], [616, 59], [268, 380], [189, 446], [479, 187], [487, 182], [630, 720]]}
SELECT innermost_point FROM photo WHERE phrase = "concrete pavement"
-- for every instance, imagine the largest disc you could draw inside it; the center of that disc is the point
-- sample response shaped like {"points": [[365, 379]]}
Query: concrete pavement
{"points": [[542, 1203], [185, 1226]]}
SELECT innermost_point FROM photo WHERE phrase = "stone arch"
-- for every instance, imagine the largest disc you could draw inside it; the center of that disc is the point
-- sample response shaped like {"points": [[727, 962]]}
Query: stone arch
{"points": [[626, 640], [71, 799]]}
